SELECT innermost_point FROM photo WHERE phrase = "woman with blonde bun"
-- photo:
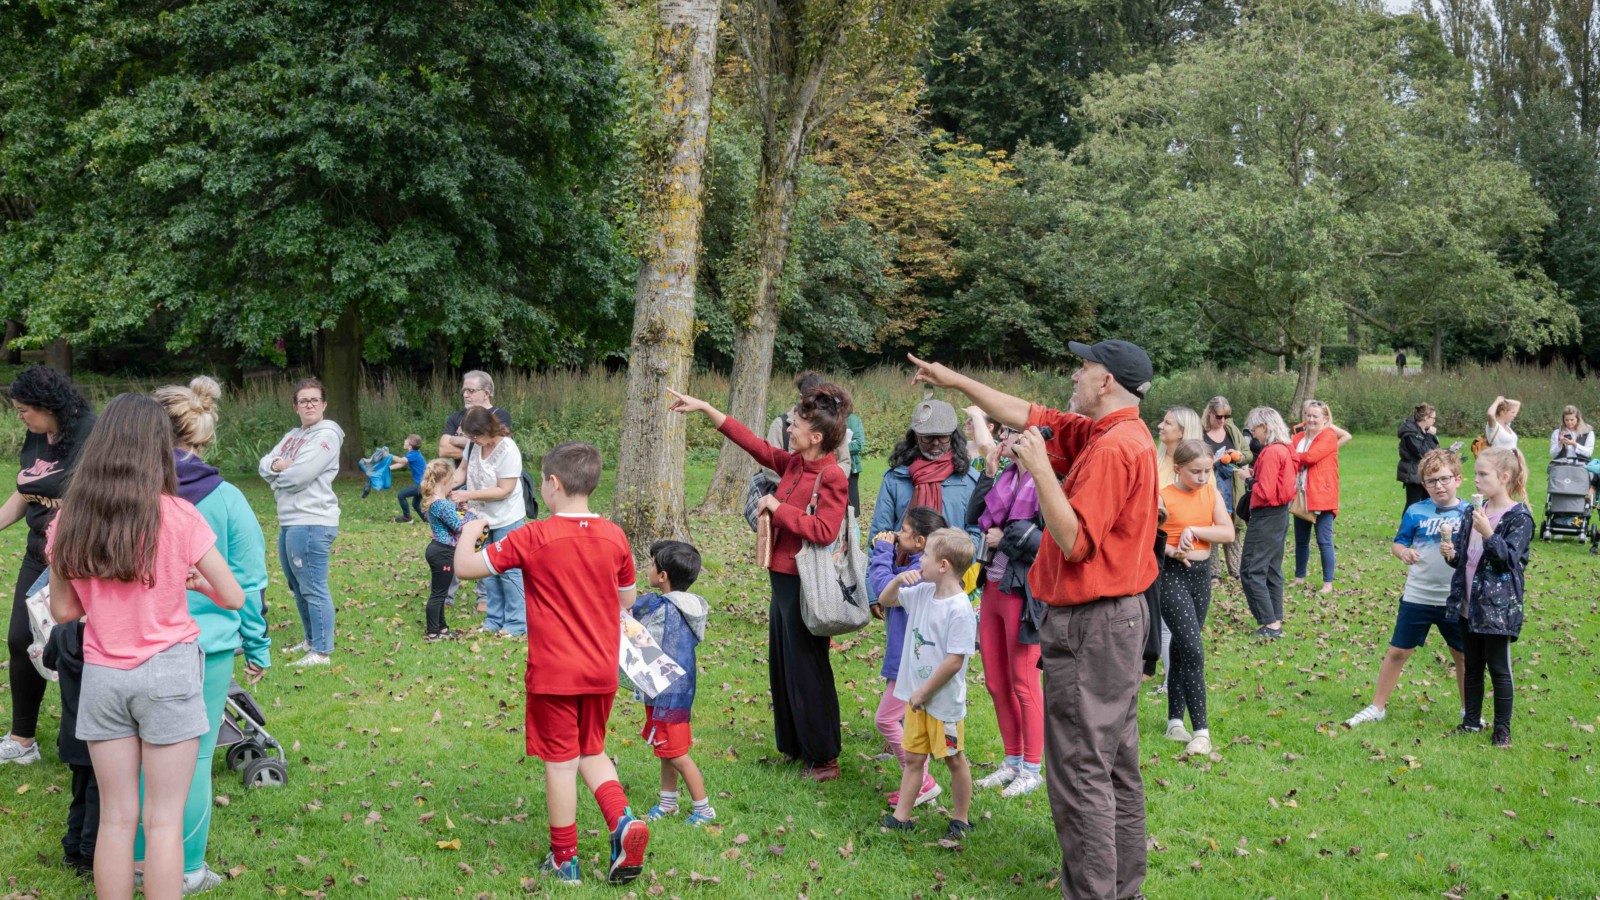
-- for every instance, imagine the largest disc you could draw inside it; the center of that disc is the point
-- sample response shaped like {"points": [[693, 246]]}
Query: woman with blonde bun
{"points": [[193, 412]]}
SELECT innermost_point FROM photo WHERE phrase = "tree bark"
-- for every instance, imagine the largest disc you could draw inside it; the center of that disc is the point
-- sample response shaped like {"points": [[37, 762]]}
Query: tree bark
{"points": [[58, 356], [649, 501], [341, 378], [1436, 353], [13, 331], [755, 334], [1308, 366]]}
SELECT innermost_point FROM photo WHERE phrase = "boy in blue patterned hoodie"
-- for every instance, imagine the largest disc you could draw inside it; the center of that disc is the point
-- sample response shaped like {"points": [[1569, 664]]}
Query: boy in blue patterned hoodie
{"points": [[677, 621]]}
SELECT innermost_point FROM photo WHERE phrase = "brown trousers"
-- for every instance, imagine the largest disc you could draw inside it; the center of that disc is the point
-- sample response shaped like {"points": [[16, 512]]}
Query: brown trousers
{"points": [[1092, 661]]}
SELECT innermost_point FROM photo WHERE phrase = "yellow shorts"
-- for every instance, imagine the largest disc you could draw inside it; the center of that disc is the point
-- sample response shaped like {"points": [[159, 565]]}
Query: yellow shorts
{"points": [[928, 736]]}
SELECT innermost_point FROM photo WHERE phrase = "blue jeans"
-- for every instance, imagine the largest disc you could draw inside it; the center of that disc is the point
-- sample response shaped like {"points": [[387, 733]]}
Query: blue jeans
{"points": [[507, 611], [1302, 545], [303, 552], [413, 494]]}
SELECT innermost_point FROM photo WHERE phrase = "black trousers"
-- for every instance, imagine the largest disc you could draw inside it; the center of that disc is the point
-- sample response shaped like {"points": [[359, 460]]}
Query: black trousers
{"points": [[27, 685], [1261, 569], [1185, 601], [805, 704], [83, 816], [855, 492], [1494, 652], [1415, 493], [441, 562]]}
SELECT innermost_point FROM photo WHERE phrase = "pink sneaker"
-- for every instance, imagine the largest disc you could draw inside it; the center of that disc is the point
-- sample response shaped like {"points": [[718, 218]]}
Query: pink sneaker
{"points": [[930, 790]]}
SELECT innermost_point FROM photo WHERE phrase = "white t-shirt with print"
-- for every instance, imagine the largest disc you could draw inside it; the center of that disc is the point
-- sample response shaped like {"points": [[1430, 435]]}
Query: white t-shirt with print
{"points": [[485, 471], [935, 628]]}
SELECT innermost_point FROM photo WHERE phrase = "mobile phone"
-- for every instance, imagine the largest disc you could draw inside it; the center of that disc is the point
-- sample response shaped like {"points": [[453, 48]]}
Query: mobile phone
{"points": [[1456, 447]]}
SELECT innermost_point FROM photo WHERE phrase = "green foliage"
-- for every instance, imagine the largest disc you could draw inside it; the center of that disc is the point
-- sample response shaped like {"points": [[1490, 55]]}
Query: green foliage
{"points": [[252, 170], [1340, 356], [1307, 164]]}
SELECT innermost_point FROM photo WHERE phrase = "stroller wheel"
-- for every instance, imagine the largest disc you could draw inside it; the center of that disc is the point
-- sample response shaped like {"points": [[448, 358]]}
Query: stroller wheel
{"points": [[245, 752], [265, 772]]}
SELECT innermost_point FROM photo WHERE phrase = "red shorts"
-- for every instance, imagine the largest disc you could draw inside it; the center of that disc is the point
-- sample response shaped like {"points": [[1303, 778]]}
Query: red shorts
{"points": [[670, 740], [564, 727]]}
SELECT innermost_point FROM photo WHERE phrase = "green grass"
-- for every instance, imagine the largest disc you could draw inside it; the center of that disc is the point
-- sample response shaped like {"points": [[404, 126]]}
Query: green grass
{"points": [[401, 746]]}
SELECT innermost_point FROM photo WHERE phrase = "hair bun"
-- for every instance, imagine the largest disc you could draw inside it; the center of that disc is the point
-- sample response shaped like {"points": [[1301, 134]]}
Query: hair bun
{"points": [[206, 393]]}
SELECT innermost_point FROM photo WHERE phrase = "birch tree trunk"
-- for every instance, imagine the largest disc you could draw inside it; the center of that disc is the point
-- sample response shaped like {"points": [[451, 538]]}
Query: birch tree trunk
{"points": [[649, 502]]}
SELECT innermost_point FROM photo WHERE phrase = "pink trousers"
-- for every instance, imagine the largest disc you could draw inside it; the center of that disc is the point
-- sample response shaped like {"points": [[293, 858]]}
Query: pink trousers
{"points": [[1011, 673]]}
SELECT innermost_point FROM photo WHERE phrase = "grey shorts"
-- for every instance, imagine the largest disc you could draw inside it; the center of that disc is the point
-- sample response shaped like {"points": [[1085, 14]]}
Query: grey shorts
{"points": [[160, 701]]}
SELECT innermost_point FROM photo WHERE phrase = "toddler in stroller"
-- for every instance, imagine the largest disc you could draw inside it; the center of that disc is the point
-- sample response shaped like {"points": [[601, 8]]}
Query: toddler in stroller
{"points": [[1569, 503]]}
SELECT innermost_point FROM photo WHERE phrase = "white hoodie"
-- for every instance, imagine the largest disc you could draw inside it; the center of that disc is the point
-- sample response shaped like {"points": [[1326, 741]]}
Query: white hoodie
{"points": [[304, 490]]}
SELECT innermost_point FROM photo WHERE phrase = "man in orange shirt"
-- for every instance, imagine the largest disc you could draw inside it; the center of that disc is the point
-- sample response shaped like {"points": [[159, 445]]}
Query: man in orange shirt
{"points": [[1101, 521]]}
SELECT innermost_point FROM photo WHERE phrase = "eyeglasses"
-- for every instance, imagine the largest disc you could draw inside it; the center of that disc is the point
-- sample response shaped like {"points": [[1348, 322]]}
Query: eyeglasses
{"points": [[933, 438], [466, 391], [1441, 481], [309, 401]]}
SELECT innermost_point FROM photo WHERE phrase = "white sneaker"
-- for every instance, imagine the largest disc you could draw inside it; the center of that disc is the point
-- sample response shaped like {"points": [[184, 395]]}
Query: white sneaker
{"points": [[999, 777], [301, 647], [1025, 783], [312, 658], [1200, 746], [1176, 732], [14, 752], [199, 881], [1370, 714]]}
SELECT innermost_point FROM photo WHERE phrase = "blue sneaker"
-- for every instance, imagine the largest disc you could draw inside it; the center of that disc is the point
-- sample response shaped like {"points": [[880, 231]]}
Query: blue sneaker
{"points": [[566, 873], [697, 818], [629, 840], [656, 812]]}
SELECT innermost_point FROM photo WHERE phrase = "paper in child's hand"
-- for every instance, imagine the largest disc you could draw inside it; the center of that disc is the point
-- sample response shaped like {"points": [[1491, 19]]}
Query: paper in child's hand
{"points": [[641, 663]]}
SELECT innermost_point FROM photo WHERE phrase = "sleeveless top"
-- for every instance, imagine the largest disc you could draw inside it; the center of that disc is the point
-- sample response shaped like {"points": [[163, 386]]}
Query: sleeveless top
{"points": [[1189, 509]]}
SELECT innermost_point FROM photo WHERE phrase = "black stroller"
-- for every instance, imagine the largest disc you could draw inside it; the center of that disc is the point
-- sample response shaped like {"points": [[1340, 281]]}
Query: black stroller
{"points": [[1568, 507], [252, 752]]}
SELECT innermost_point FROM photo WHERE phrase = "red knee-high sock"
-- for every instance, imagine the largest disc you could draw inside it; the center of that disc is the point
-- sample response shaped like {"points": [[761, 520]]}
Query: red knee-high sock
{"points": [[613, 802], [564, 842]]}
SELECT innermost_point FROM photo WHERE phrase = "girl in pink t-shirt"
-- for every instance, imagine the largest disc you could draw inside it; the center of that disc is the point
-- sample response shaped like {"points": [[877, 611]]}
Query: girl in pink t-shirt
{"points": [[123, 552]]}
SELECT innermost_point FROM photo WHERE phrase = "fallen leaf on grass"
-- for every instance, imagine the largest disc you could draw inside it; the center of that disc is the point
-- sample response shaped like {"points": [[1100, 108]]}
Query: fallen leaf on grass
{"points": [[452, 844], [697, 878]]}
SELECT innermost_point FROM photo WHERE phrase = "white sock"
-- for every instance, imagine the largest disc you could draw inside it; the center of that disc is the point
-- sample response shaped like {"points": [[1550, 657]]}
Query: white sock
{"points": [[703, 807], [1174, 723], [669, 800], [1014, 762], [1202, 732]]}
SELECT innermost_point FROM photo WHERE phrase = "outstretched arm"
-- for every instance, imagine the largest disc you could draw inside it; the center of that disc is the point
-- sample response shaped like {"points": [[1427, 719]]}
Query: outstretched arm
{"points": [[998, 405]]}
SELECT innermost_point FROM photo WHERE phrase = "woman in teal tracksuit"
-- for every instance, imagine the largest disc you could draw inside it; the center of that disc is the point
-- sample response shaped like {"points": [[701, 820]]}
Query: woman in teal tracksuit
{"points": [[193, 411]]}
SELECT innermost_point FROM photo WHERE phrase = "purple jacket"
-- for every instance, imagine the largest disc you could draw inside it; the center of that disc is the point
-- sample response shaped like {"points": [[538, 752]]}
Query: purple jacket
{"points": [[881, 568]]}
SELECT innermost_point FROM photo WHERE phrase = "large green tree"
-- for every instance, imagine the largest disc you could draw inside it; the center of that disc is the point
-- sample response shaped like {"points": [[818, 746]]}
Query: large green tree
{"points": [[380, 175], [1306, 167]]}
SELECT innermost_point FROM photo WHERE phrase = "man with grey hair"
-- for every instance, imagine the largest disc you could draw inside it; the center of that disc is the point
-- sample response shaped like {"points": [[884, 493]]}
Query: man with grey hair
{"points": [[477, 389]]}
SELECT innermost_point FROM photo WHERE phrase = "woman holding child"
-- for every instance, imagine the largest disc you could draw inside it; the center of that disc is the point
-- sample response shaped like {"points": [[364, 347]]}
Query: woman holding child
{"points": [[809, 506]]}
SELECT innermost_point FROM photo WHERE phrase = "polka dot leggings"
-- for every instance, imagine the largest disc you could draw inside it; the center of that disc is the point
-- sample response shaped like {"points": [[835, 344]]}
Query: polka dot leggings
{"points": [[1185, 600]]}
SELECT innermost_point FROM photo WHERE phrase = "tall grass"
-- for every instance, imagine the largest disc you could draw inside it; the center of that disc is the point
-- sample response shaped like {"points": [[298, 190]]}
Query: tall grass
{"points": [[550, 407]]}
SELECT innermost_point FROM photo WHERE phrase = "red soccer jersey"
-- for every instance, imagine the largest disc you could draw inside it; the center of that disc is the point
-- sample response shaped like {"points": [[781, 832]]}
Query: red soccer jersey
{"points": [[572, 568]]}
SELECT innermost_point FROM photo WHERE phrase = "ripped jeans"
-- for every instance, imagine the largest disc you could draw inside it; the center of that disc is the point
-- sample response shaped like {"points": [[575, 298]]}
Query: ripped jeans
{"points": [[303, 552]]}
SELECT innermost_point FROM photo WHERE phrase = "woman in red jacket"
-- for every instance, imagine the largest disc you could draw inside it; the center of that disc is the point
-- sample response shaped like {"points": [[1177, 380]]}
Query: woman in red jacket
{"points": [[1272, 487], [805, 705], [1316, 453]]}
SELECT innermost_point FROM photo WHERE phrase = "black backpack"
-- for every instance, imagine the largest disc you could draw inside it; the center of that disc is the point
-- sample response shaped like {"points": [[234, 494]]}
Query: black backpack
{"points": [[530, 500]]}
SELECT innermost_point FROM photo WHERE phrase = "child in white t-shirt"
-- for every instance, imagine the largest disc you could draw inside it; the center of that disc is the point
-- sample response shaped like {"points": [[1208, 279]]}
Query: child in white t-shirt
{"points": [[941, 634]]}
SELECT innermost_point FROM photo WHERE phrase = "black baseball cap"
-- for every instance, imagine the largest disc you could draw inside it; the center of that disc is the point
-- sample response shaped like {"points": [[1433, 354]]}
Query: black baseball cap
{"points": [[1127, 363]]}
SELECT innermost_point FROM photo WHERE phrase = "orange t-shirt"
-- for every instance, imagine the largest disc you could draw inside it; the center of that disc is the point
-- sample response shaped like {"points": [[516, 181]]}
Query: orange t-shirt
{"points": [[1189, 509]]}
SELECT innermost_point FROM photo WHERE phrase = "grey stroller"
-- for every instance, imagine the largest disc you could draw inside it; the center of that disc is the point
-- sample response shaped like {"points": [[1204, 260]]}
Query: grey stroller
{"points": [[252, 752], [1568, 509]]}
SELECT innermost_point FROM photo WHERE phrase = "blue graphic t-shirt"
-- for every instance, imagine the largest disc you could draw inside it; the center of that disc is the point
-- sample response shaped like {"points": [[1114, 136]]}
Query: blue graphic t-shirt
{"points": [[1428, 582], [418, 465]]}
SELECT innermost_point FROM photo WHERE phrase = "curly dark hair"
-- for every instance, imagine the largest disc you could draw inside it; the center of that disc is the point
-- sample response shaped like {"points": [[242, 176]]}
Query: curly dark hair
{"points": [[906, 452], [42, 387]]}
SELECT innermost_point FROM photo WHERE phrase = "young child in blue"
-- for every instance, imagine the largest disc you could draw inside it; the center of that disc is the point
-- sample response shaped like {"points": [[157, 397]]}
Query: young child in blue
{"points": [[444, 521], [1486, 594], [1423, 529], [677, 621], [893, 553], [414, 461]]}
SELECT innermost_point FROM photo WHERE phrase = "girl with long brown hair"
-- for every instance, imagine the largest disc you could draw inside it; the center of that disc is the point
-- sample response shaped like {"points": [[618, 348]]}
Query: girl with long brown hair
{"points": [[120, 553]]}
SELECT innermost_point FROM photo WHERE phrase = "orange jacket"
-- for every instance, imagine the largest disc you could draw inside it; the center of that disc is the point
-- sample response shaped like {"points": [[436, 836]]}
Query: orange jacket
{"points": [[1320, 462]]}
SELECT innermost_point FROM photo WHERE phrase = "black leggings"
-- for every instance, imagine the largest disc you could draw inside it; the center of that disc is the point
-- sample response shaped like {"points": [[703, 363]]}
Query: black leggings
{"points": [[441, 561], [1185, 601], [805, 705], [1494, 652], [27, 685]]}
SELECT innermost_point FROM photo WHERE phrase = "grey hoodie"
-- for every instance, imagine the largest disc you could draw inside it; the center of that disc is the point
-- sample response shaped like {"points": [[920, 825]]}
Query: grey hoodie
{"points": [[305, 489]]}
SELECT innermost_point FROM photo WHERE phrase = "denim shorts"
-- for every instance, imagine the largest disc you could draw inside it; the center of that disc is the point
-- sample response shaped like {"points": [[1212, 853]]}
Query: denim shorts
{"points": [[1411, 627], [159, 701]]}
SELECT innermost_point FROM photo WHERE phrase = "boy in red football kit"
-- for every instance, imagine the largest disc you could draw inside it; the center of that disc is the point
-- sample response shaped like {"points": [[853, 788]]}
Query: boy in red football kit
{"points": [[577, 576]]}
